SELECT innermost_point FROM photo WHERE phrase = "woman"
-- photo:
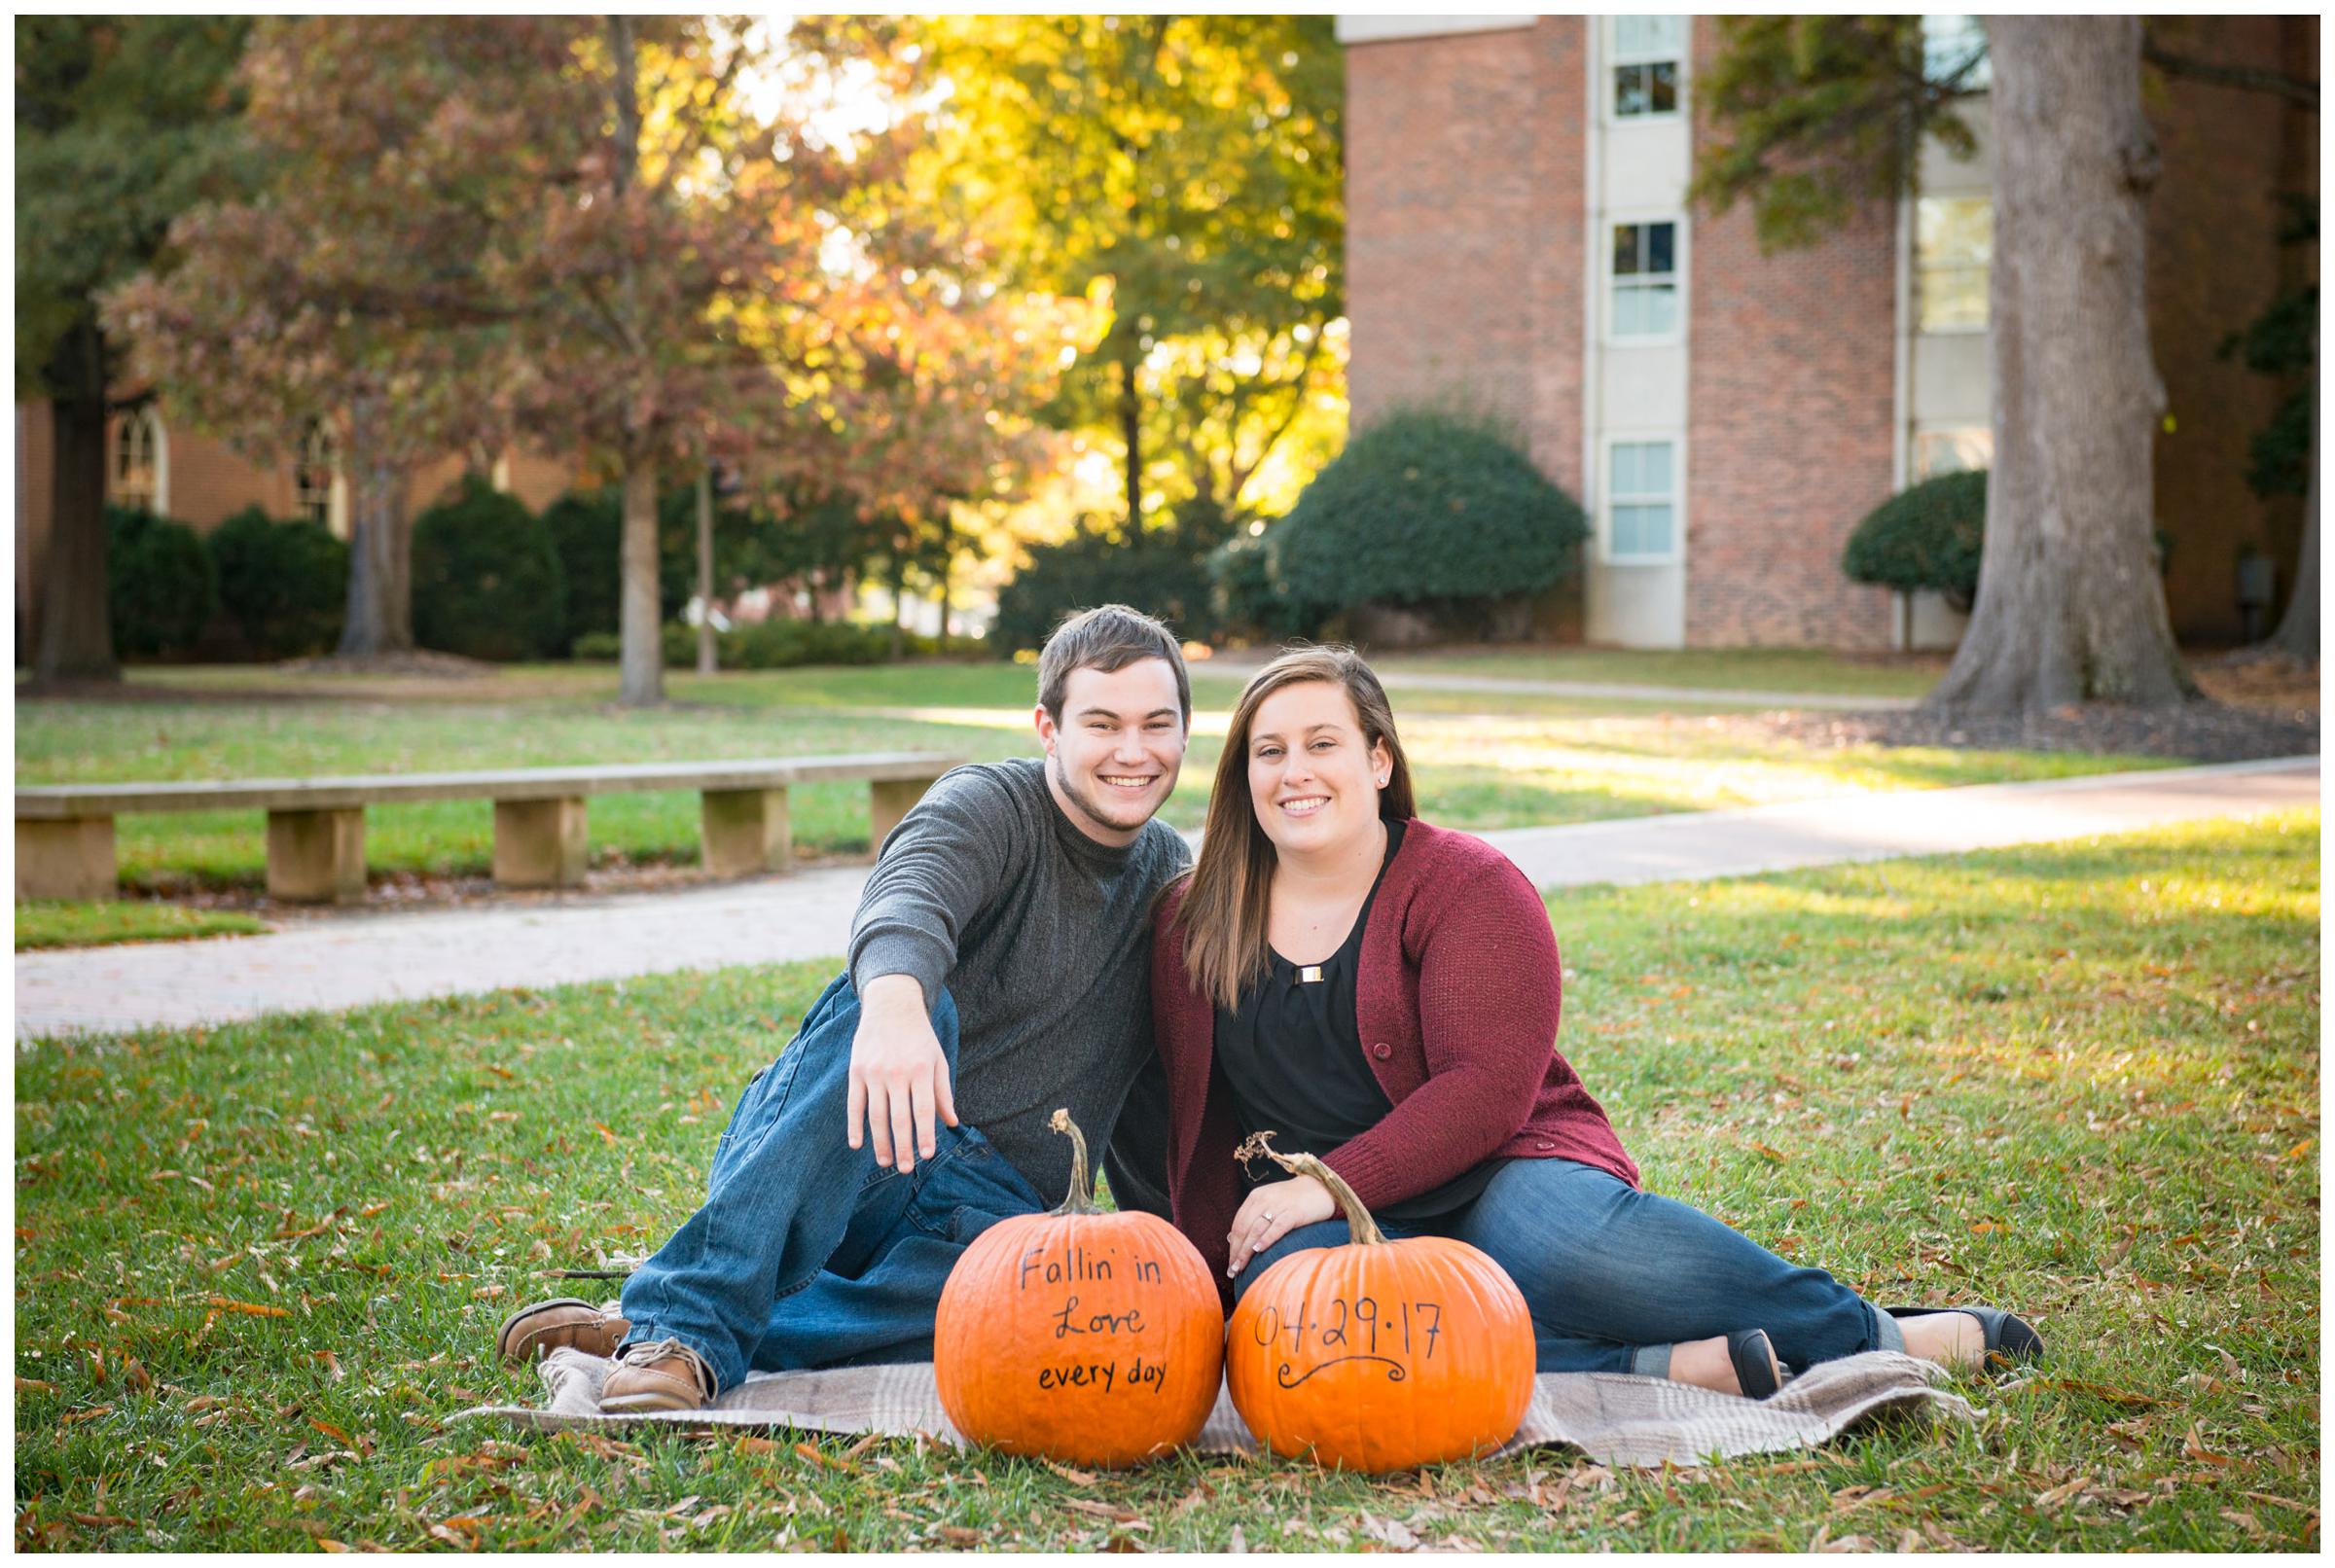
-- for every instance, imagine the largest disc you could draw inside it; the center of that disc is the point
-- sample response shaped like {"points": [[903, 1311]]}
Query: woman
{"points": [[1383, 993]]}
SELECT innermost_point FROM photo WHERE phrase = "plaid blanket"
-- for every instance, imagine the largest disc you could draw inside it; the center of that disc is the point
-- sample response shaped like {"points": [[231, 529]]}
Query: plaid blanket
{"points": [[1616, 1419]]}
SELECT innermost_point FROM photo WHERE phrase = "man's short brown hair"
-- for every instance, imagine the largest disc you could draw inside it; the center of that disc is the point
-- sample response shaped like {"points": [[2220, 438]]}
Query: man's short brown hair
{"points": [[1109, 637]]}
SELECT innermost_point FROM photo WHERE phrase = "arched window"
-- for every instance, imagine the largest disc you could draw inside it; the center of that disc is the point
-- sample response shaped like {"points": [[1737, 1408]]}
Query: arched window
{"points": [[316, 478], [139, 473]]}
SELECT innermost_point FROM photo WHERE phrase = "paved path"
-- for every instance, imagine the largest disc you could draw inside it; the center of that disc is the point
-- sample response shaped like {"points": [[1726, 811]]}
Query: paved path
{"points": [[350, 960], [1697, 697]]}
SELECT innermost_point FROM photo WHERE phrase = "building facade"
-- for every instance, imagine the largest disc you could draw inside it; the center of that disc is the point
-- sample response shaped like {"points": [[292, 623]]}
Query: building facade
{"points": [[1519, 239]]}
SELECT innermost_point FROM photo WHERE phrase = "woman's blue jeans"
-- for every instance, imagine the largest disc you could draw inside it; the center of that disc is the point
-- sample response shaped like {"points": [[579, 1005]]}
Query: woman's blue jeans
{"points": [[806, 1252], [1615, 1276]]}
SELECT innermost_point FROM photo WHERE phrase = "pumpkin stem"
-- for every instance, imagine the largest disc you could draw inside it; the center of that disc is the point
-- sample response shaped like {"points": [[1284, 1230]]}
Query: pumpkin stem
{"points": [[1363, 1229], [1082, 1191]]}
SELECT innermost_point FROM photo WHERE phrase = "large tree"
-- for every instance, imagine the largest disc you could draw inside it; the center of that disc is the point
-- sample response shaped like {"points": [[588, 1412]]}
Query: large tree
{"points": [[2073, 606], [1814, 114], [348, 292], [1184, 169], [121, 123]]}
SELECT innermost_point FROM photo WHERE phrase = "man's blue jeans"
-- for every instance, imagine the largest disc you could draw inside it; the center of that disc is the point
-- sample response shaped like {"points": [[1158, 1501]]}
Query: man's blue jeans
{"points": [[806, 1252], [1615, 1276]]}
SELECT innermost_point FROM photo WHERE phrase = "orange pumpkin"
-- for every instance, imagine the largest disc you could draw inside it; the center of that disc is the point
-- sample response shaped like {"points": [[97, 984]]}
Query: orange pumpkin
{"points": [[1081, 1335], [1378, 1355]]}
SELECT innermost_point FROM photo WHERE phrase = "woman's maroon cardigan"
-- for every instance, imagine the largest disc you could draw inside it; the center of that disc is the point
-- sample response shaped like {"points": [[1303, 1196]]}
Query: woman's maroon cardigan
{"points": [[1456, 999]]}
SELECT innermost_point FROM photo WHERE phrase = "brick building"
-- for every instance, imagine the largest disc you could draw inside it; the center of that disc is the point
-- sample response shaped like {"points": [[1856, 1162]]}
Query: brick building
{"points": [[195, 480], [1517, 236]]}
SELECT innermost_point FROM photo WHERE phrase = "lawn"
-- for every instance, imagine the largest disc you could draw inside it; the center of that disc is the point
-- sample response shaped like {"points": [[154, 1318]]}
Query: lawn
{"points": [[1484, 760], [1717, 670], [61, 923], [258, 1267]]}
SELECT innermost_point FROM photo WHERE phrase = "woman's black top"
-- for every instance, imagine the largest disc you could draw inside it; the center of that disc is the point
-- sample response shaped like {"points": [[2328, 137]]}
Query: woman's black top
{"points": [[1292, 1057]]}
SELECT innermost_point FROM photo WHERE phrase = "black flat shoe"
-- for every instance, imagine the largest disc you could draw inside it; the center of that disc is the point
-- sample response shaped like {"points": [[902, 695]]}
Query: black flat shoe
{"points": [[1755, 1364], [2009, 1337]]}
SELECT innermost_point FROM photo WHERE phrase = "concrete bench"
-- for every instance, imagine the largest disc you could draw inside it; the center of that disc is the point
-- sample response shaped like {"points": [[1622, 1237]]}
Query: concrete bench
{"points": [[316, 826]]}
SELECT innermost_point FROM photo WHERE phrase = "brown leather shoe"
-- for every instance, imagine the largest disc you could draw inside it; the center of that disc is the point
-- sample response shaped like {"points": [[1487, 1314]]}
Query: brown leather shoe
{"points": [[529, 1332], [656, 1374]]}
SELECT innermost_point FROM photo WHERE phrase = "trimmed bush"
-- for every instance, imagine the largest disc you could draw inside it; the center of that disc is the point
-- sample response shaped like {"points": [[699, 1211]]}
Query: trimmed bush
{"points": [[1246, 602], [1092, 568], [1427, 510], [160, 588], [1927, 536], [285, 582], [773, 645], [487, 580]]}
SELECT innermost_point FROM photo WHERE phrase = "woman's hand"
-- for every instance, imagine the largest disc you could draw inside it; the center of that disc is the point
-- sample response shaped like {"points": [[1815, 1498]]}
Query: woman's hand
{"points": [[1273, 1212]]}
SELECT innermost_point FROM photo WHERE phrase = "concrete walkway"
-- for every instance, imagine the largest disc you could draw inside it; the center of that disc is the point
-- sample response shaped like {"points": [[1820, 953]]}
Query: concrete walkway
{"points": [[351, 960], [1694, 697]]}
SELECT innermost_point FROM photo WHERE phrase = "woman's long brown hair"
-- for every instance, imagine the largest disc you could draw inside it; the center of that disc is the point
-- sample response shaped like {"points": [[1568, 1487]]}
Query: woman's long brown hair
{"points": [[1222, 924]]}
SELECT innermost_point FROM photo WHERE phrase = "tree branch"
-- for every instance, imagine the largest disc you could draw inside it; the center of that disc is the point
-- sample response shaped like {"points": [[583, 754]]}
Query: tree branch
{"points": [[2244, 78]]}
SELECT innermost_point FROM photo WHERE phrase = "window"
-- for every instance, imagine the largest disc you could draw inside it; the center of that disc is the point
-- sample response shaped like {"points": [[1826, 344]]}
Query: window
{"points": [[1645, 279], [1955, 47], [1647, 50], [312, 472], [1954, 240], [1953, 451], [135, 478], [1641, 500]]}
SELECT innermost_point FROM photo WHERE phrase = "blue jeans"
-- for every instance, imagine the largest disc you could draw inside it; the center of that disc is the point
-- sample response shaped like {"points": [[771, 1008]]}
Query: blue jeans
{"points": [[1615, 1276], [806, 1252]]}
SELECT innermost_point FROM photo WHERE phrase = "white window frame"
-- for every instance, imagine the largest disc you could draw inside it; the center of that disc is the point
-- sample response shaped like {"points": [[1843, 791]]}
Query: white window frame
{"points": [[1956, 437], [1609, 85], [147, 424], [1923, 272], [1613, 283], [1607, 498], [335, 487]]}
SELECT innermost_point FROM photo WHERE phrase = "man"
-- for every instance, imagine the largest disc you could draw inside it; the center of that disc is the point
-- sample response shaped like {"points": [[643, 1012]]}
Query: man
{"points": [[998, 969]]}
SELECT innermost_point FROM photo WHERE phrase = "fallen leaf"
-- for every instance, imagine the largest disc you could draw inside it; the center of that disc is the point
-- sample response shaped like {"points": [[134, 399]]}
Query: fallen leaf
{"points": [[249, 1308], [1777, 1156], [1101, 1511], [34, 1385], [2194, 1446], [1393, 1532], [956, 1534], [2062, 1494]]}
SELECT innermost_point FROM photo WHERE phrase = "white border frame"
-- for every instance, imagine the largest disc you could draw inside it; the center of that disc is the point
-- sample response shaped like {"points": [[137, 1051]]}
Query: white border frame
{"points": [[1681, 257], [1610, 59], [1605, 516], [1913, 255]]}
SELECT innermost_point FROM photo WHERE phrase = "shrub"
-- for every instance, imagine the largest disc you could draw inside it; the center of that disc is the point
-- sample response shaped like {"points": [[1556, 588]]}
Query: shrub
{"points": [[1426, 508], [160, 588], [775, 645], [1927, 536], [285, 582], [1247, 602], [1087, 569], [487, 580], [587, 529]]}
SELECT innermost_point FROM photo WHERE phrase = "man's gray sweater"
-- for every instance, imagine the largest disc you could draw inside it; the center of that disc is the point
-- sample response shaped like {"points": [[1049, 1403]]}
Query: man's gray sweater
{"points": [[1042, 936]]}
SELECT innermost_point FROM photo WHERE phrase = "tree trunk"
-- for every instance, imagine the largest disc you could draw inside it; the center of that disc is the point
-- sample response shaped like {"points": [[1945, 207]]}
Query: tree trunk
{"points": [[899, 598], [2297, 636], [1131, 429], [2070, 606], [706, 663], [77, 631], [641, 654], [381, 558]]}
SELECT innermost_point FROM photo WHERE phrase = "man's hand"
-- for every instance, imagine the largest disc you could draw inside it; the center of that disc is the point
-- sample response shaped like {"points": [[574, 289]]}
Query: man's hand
{"points": [[899, 1074]]}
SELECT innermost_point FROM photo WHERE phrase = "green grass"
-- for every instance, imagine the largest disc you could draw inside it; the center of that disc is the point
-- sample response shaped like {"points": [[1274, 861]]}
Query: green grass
{"points": [[59, 923], [2083, 1080], [1484, 761], [1729, 670]]}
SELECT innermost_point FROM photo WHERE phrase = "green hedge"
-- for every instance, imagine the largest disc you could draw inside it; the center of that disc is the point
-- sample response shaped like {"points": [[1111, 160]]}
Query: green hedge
{"points": [[285, 582], [1092, 568], [1927, 536], [767, 645], [1426, 508], [162, 589], [487, 580]]}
